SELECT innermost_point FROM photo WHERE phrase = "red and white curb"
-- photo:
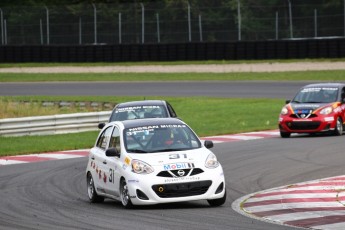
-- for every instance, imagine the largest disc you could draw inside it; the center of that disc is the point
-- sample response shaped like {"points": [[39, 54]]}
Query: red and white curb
{"points": [[243, 136], [318, 204], [19, 159]]}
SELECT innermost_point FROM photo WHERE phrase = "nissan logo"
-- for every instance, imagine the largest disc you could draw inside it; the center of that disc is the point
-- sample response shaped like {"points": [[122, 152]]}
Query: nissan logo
{"points": [[180, 172]]}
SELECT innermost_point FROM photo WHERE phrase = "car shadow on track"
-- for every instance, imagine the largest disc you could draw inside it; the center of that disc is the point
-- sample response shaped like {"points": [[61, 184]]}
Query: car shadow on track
{"points": [[108, 203]]}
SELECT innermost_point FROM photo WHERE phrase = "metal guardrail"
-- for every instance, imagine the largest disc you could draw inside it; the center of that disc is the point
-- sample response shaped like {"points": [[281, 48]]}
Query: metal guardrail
{"points": [[55, 124]]}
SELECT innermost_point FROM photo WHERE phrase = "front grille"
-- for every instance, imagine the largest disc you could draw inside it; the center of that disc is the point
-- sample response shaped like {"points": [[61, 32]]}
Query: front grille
{"points": [[176, 173], [182, 189], [303, 125], [300, 116]]}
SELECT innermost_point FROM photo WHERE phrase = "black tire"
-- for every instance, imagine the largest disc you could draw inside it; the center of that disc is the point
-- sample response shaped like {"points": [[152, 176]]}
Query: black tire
{"points": [[338, 131], [285, 134], [91, 191], [125, 199], [217, 202]]}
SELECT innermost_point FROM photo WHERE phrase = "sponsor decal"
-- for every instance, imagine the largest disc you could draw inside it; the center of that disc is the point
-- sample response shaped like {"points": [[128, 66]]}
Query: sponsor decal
{"points": [[127, 160], [126, 109], [133, 197], [305, 111], [104, 177], [133, 181], [178, 166], [305, 106], [329, 118], [337, 110], [302, 120], [172, 126], [100, 174], [124, 166], [181, 179]]}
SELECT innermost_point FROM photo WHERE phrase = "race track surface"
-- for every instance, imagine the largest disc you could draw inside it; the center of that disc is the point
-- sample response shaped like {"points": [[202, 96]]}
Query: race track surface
{"points": [[52, 194], [227, 89]]}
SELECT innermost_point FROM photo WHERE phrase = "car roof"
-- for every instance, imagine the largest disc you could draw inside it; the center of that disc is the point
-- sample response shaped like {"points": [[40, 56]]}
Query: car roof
{"points": [[151, 122], [334, 85], [140, 103]]}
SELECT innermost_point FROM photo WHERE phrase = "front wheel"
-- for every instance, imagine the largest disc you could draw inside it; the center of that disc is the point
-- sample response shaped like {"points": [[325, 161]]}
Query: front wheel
{"points": [[217, 202], [339, 127], [91, 191], [125, 199]]}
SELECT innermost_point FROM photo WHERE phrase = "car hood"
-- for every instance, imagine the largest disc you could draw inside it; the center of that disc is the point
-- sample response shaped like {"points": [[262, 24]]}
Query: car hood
{"points": [[163, 158], [307, 107]]}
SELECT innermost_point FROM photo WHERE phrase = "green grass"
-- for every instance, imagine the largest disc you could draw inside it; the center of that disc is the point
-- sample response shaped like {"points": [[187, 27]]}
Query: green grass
{"points": [[206, 116], [335, 75]]}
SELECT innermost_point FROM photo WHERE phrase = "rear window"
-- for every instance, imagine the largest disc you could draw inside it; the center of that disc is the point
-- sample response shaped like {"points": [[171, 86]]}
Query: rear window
{"points": [[139, 112]]}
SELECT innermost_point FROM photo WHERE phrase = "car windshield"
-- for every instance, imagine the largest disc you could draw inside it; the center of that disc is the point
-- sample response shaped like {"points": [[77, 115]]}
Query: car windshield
{"points": [[138, 112], [316, 95], [160, 138]]}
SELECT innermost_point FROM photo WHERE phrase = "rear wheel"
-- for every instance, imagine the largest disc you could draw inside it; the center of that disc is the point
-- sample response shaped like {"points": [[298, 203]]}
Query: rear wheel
{"points": [[91, 191], [339, 127], [217, 202], [125, 199], [285, 134]]}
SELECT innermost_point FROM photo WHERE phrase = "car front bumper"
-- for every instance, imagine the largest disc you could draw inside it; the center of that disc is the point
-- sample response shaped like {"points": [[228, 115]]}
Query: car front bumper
{"points": [[145, 190], [313, 125]]}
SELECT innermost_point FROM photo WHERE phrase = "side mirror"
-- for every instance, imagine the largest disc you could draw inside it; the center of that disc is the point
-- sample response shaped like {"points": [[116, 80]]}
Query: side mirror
{"points": [[287, 101], [112, 152], [208, 144], [101, 125]]}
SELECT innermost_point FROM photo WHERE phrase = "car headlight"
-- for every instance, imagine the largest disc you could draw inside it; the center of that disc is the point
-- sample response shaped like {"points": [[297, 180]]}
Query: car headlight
{"points": [[326, 110], [211, 161], [141, 167], [284, 111]]}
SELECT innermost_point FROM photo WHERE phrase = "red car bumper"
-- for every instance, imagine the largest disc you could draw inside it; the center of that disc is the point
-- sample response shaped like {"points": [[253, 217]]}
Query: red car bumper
{"points": [[312, 125]]}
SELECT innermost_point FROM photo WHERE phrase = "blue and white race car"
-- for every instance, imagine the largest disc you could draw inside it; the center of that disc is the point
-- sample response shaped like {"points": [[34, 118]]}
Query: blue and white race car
{"points": [[151, 161]]}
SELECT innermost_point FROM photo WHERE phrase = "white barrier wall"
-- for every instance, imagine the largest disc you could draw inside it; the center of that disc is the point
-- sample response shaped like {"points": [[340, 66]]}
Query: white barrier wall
{"points": [[55, 124]]}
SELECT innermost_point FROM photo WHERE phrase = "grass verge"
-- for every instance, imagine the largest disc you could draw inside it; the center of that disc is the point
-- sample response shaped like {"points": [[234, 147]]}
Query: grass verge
{"points": [[206, 116]]}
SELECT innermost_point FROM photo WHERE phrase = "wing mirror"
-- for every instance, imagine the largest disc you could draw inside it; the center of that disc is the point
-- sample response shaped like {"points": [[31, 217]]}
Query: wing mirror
{"points": [[101, 125], [112, 152], [208, 144], [287, 101]]}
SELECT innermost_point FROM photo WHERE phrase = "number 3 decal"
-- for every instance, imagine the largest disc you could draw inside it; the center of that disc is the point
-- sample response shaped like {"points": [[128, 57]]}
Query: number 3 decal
{"points": [[177, 156]]}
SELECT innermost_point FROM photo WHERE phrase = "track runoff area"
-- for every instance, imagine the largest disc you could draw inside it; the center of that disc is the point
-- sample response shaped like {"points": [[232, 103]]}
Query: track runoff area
{"points": [[318, 204]]}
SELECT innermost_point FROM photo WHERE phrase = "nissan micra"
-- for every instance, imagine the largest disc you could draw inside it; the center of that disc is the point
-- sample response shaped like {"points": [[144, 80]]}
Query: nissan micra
{"points": [[151, 161]]}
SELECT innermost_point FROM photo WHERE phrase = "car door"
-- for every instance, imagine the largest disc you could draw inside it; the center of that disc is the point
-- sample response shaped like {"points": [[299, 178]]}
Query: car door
{"points": [[99, 159], [112, 165]]}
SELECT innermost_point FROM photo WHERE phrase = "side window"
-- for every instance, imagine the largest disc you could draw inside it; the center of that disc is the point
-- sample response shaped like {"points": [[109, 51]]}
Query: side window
{"points": [[115, 140], [171, 110], [104, 138], [342, 95]]}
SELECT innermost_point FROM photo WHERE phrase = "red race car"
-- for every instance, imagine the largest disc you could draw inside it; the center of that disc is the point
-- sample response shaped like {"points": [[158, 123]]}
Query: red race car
{"points": [[315, 108]]}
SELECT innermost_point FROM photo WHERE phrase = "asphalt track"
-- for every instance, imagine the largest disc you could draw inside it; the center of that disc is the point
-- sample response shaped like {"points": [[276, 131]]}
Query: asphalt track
{"points": [[52, 194], [234, 89]]}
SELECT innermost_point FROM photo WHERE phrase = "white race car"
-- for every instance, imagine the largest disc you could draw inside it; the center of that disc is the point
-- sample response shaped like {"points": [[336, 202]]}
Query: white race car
{"points": [[151, 161]]}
